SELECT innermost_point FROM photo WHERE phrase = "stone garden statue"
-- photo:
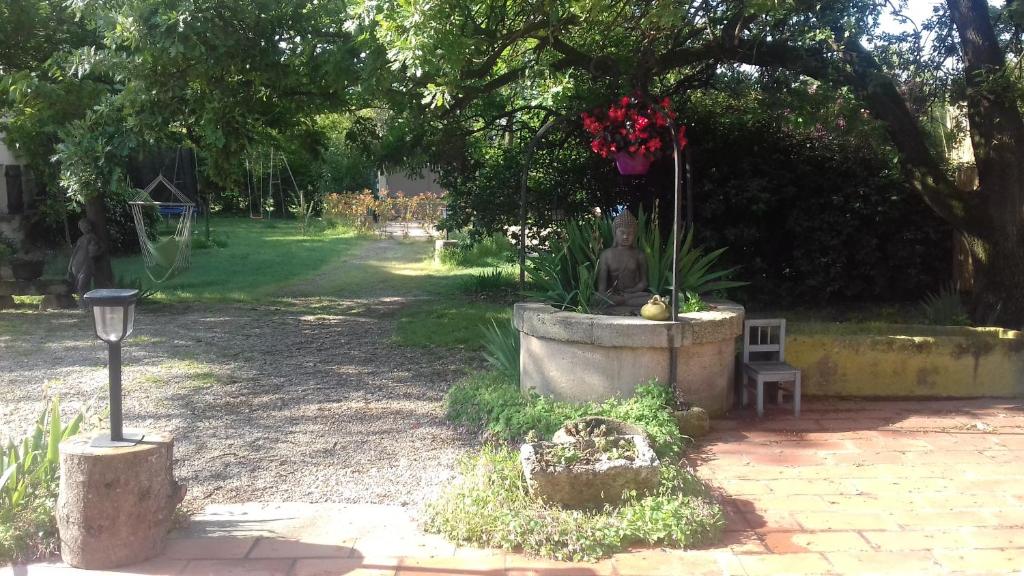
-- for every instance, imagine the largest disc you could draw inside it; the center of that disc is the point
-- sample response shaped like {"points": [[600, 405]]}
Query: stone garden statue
{"points": [[622, 271], [82, 267]]}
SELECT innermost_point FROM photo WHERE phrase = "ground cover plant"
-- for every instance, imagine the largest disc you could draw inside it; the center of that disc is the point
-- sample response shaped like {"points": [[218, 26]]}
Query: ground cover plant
{"points": [[490, 506]]}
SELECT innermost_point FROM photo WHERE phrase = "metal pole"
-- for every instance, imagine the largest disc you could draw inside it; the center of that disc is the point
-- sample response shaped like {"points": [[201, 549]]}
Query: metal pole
{"points": [[689, 189], [523, 186], [673, 369], [114, 370]]}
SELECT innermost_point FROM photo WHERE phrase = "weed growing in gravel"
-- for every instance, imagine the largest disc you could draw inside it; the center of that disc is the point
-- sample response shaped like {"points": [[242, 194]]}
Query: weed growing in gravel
{"points": [[493, 401], [490, 506]]}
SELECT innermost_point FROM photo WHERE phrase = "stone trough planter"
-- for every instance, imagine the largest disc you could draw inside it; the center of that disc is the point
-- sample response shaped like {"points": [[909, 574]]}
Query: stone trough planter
{"points": [[589, 485], [591, 358]]}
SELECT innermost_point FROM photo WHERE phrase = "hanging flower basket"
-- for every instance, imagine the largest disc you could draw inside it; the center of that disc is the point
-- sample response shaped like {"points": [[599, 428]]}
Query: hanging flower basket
{"points": [[632, 164], [634, 132]]}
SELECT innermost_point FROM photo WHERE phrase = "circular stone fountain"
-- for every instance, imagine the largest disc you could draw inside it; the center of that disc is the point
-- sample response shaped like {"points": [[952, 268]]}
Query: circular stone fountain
{"points": [[590, 358]]}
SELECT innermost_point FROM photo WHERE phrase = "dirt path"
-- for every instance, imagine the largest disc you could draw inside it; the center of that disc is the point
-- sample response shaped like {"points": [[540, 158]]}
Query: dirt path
{"points": [[308, 401]]}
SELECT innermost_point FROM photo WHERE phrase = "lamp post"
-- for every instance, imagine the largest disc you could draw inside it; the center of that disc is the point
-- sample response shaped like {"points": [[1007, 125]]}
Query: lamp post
{"points": [[113, 313]]}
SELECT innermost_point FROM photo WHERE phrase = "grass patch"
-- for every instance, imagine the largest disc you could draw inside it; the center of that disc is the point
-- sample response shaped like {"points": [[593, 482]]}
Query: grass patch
{"points": [[488, 252], [490, 505], [194, 375], [246, 261], [449, 323]]}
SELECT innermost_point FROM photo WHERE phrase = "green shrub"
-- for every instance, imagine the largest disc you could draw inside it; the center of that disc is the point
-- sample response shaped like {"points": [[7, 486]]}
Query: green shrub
{"points": [[493, 401], [691, 302], [501, 348], [490, 506], [28, 488]]}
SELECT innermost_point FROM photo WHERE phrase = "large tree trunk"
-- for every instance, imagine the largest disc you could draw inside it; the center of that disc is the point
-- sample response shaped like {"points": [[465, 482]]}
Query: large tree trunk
{"points": [[997, 136], [998, 280], [96, 212]]}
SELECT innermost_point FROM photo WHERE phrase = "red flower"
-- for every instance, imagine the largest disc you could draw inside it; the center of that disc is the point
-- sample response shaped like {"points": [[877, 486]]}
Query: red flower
{"points": [[682, 137], [634, 124]]}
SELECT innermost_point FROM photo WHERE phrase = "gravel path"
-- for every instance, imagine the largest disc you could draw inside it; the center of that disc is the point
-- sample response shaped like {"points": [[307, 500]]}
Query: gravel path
{"points": [[305, 402]]}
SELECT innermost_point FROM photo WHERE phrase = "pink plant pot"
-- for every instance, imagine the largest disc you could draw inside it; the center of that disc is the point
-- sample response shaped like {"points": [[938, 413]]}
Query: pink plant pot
{"points": [[632, 164]]}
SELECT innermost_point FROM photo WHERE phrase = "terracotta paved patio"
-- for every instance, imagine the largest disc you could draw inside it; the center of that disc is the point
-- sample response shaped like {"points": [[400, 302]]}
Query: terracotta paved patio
{"points": [[852, 488]]}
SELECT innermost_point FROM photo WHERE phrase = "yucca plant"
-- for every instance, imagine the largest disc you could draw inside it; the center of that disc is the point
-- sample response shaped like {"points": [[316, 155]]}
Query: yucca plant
{"points": [[945, 307], [501, 348]]}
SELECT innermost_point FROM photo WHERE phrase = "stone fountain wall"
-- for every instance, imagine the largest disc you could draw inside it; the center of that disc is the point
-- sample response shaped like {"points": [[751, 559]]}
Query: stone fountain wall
{"points": [[588, 357]]}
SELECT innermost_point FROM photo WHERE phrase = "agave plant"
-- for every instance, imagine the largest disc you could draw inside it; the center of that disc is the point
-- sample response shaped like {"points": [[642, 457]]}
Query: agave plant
{"points": [[501, 348], [565, 276], [30, 467]]}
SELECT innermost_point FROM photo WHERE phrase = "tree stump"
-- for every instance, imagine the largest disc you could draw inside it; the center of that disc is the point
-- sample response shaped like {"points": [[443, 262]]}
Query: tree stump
{"points": [[116, 505]]}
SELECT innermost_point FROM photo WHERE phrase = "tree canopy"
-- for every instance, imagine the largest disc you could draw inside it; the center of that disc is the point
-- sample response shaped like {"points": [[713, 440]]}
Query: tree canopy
{"points": [[462, 84]]}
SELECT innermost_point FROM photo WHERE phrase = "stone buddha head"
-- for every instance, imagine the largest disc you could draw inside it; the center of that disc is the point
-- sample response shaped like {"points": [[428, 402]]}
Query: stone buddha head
{"points": [[624, 226]]}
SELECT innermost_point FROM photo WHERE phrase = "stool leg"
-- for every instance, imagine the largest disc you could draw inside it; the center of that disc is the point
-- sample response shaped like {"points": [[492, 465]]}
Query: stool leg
{"points": [[760, 397], [778, 393], [743, 391], [796, 396]]}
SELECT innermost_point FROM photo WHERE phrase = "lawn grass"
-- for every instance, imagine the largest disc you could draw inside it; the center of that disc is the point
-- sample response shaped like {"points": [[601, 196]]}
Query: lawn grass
{"points": [[444, 304], [449, 323], [256, 260]]}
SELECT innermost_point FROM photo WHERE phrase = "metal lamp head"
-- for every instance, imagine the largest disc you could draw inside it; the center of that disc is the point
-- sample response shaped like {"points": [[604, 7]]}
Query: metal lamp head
{"points": [[113, 312]]}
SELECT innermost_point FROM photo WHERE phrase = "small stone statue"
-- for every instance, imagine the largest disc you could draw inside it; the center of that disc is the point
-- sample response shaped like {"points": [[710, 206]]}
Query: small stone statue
{"points": [[622, 271], [82, 267]]}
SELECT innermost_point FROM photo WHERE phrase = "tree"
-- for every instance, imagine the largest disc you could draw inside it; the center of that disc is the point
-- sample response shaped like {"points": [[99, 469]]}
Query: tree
{"points": [[218, 76], [467, 55]]}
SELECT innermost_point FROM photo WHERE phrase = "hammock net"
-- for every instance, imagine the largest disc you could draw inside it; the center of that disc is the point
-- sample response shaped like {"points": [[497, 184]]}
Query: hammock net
{"points": [[167, 256]]}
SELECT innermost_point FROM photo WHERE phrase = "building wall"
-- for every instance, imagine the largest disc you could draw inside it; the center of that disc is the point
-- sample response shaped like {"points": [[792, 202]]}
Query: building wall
{"points": [[410, 186], [6, 155]]}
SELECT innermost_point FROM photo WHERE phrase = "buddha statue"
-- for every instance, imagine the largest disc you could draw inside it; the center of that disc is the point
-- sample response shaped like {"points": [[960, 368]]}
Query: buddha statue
{"points": [[622, 271]]}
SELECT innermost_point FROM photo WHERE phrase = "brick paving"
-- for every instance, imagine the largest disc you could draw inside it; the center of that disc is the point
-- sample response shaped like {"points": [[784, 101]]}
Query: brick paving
{"points": [[858, 487], [852, 487]]}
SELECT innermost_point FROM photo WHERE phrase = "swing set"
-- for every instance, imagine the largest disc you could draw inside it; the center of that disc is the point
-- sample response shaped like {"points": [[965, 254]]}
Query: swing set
{"points": [[256, 171]]}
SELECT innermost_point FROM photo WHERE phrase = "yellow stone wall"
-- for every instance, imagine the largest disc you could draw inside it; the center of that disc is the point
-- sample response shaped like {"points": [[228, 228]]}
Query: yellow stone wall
{"points": [[899, 360]]}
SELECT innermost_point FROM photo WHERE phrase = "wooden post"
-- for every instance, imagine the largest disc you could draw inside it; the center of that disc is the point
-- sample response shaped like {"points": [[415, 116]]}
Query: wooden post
{"points": [[115, 505]]}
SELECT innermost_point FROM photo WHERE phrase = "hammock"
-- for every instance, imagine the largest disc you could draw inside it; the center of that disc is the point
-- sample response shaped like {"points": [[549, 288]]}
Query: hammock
{"points": [[165, 257]]}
